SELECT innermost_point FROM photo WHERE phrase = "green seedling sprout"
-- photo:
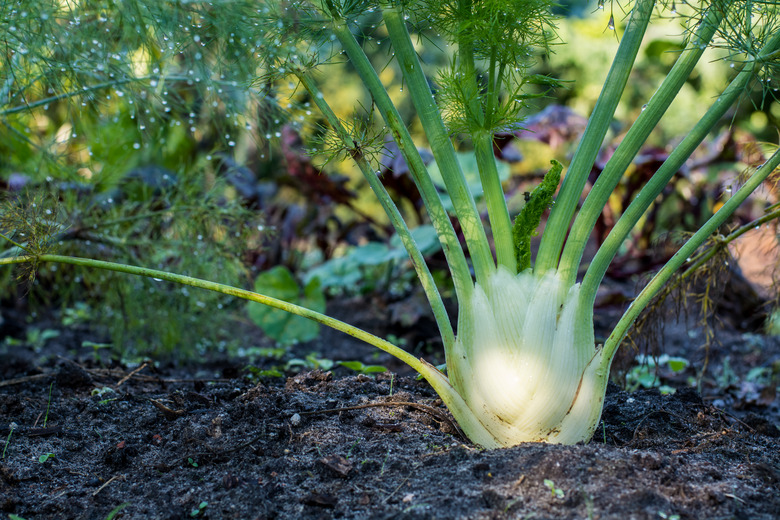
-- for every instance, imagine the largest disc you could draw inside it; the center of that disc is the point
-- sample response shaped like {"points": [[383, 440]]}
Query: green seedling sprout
{"points": [[199, 510], [46, 457], [48, 405], [112, 514], [522, 364], [554, 491], [11, 429]]}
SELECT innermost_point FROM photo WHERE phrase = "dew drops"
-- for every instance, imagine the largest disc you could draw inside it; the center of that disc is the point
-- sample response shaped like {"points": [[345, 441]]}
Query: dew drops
{"points": [[136, 146], [644, 107], [611, 24]]}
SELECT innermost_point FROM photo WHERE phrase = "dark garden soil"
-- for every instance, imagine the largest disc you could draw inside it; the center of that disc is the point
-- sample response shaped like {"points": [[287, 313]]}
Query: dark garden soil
{"points": [[80, 440]]}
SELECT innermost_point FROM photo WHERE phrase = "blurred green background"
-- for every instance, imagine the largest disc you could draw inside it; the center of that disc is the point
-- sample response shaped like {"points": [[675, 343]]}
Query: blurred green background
{"points": [[156, 134]]}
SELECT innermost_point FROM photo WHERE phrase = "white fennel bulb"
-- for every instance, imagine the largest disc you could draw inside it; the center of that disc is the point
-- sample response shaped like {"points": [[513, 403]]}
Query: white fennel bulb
{"points": [[525, 362]]}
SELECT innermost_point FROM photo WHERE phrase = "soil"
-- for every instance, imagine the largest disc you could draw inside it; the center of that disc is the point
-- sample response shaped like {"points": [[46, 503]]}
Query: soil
{"points": [[82, 440]]}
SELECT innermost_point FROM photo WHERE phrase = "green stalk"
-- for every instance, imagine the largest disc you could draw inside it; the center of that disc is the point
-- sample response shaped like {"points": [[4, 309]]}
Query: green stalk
{"points": [[441, 145], [571, 189], [222, 289], [627, 221], [454, 402], [689, 248], [482, 137], [456, 259], [423, 273], [633, 141], [498, 213]]}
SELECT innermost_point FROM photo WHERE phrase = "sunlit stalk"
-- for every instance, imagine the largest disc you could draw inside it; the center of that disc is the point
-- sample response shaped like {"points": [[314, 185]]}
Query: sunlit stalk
{"points": [[590, 144], [682, 255], [629, 147], [441, 145], [401, 229], [456, 259], [671, 165]]}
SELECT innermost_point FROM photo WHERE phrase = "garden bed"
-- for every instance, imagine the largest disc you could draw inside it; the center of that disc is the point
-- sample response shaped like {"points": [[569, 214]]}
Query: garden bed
{"points": [[206, 442]]}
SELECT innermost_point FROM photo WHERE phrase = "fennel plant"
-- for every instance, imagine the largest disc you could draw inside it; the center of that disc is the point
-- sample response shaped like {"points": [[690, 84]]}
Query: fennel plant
{"points": [[522, 364]]}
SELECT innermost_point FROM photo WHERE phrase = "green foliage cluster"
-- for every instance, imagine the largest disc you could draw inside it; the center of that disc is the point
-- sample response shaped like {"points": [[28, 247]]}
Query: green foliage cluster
{"points": [[166, 228], [115, 121], [281, 326], [374, 266]]}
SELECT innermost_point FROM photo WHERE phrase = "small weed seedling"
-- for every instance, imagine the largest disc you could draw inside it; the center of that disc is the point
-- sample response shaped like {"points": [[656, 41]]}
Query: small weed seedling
{"points": [[48, 406], [199, 510], [11, 429], [554, 491], [645, 374], [46, 457], [112, 514], [101, 392]]}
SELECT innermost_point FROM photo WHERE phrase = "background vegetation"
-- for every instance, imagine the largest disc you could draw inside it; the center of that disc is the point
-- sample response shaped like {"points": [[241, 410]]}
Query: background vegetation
{"points": [[152, 133]]}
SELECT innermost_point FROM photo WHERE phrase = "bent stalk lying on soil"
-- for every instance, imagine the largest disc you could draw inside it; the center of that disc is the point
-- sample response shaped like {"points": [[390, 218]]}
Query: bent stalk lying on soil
{"points": [[524, 365]]}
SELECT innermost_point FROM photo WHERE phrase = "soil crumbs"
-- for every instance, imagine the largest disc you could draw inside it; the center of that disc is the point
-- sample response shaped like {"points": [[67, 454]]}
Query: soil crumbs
{"points": [[93, 443]]}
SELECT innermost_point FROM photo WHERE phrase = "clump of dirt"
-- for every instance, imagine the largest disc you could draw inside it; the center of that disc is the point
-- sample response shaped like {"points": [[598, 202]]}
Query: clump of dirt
{"points": [[81, 442]]}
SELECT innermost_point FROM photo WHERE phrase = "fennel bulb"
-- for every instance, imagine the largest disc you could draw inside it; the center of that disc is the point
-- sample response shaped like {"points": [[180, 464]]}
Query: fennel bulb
{"points": [[524, 362]]}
